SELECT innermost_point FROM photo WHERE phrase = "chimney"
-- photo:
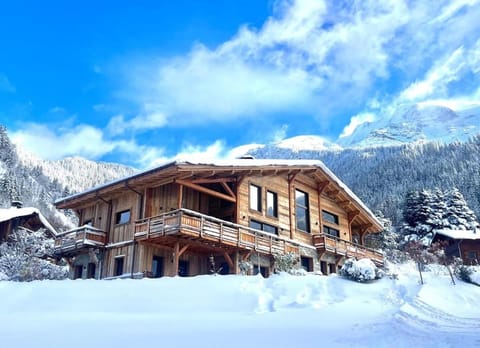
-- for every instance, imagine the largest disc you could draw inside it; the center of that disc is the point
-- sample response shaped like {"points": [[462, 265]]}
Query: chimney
{"points": [[17, 204]]}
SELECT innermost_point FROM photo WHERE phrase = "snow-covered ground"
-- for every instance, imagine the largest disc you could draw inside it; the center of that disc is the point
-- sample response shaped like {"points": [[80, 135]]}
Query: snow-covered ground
{"points": [[241, 311]]}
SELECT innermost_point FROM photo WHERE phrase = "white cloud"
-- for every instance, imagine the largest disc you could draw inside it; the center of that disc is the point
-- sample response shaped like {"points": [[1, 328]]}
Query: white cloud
{"points": [[356, 121], [437, 79], [82, 140], [310, 57]]}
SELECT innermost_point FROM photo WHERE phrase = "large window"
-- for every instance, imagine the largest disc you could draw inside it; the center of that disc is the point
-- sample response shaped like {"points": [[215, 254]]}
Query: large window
{"points": [[331, 231], [263, 227], [255, 197], [122, 217], [272, 204], [329, 217], [118, 271], [302, 211]]}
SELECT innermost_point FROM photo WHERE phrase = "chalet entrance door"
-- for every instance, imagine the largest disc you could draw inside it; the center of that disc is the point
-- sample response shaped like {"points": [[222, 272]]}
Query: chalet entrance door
{"points": [[157, 266], [183, 268]]}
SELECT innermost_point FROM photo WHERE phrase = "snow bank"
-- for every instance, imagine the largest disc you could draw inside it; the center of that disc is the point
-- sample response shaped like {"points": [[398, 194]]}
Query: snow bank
{"points": [[234, 311]]}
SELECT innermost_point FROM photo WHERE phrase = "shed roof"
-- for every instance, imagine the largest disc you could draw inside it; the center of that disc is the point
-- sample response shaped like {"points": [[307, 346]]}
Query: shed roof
{"points": [[13, 212]]}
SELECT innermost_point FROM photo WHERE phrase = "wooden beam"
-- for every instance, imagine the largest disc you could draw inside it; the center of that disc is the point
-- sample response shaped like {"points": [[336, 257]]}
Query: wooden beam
{"points": [[228, 259], [352, 215], [344, 204], [212, 181], [229, 190], [333, 193], [206, 190], [246, 255], [181, 251], [176, 249], [180, 196], [322, 186]]}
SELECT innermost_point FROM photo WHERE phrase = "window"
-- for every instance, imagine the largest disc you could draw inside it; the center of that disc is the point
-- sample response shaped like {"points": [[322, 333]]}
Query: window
{"points": [[88, 222], [329, 217], [91, 270], [302, 211], [332, 268], [78, 272], [119, 266], [122, 217], [263, 227], [331, 231], [307, 263], [255, 197], [272, 204]]}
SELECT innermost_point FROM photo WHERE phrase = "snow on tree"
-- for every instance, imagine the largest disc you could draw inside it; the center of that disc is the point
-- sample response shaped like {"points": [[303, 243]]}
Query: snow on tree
{"points": [[426, 211], [285, 262], [24, 257]]}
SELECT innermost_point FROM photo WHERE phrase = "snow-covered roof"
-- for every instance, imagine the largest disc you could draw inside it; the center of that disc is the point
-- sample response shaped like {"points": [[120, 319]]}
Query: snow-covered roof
{"points": [[240, 163], [459, 234], [13, 212]]}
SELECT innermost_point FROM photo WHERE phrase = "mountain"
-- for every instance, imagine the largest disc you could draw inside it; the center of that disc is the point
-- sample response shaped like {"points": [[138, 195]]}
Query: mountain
{"points": [[415, 123], [39, 183], [382, 176], [75, 174]]}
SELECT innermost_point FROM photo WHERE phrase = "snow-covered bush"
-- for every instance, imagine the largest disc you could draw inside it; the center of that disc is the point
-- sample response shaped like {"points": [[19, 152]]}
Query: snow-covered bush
{"points": [[363, 270], [469, 274], [285, 262], [245, 266], [24, 257]]}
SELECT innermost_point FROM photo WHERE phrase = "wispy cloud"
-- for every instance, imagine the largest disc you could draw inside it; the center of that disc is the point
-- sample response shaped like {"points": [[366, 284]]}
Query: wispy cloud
{"points": [[310, 57], [81, 140]]}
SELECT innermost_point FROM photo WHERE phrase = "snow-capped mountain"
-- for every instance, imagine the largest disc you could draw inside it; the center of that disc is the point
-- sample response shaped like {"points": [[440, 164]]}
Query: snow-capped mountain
{"points": [[415, 123], [75, 173]]}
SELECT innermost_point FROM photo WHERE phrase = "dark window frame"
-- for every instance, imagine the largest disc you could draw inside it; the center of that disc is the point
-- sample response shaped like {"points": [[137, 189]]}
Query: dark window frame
{"points": [[330, 218], [91, 270], [120, 217], [262, 226], [274, 209], [306, 263], [119, 266], [305, 208], [258, 207], [331, 231]]}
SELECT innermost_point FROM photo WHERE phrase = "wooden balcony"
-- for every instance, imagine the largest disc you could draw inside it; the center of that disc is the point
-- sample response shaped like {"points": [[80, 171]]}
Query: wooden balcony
{"points": [[327, 243], [210, 232], [74, 241]]}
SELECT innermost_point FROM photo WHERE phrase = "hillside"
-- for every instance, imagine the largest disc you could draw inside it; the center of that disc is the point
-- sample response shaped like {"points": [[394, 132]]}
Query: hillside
{"points": [[238, 311], [415, 123], [382, 176], [38, 183]]}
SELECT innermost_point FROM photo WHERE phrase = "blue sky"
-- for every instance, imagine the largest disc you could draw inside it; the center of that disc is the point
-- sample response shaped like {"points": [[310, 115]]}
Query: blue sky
{"points": [[147, 81]]}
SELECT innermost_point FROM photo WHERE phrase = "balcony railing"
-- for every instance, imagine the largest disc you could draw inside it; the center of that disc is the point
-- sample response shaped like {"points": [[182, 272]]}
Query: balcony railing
{"points": [[80, 238], [325, 242], [211, 230]]}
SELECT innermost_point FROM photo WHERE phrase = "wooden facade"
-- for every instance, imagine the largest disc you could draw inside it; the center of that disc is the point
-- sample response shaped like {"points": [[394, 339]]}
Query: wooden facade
{"points": [[189, 219], [462, 244]]}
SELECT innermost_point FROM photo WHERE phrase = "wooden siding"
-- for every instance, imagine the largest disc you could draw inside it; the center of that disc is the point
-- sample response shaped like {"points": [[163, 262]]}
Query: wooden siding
{"points": [[326, 243], [215, 233], [79, 239]]}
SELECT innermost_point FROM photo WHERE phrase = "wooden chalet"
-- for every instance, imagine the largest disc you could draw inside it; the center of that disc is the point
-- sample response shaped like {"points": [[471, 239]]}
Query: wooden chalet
{"points": [[464, 244], [28, 218], [187, 218]]}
